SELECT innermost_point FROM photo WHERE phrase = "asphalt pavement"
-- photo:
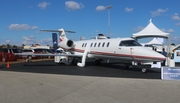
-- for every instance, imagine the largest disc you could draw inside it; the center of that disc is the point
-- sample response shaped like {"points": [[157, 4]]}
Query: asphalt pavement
{"points": [[48, 82]]}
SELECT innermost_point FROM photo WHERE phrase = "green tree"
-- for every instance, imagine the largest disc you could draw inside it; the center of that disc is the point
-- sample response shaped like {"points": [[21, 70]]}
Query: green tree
{"points": [[23, 45], [3, 46], [8, 45], [14, 46], [173, 44]]}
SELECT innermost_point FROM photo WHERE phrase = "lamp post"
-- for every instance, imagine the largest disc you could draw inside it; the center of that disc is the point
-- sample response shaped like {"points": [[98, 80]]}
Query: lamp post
{"points": [[108, 8]]}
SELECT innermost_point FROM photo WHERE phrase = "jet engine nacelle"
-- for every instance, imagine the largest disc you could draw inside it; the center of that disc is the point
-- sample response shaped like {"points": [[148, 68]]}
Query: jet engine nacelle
{"points": [[67, 44]]}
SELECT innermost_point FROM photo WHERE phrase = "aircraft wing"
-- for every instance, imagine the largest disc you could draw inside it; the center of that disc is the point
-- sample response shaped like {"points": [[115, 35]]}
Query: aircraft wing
{"points": [[56, 54]]}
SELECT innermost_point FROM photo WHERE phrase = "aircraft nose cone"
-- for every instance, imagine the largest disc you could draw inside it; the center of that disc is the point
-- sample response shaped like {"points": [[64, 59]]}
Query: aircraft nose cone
{"points": [[149, 55], [155, 55]]}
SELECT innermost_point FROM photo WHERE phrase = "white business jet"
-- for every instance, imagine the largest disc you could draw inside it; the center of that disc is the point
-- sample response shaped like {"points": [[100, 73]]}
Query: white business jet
{"points": [[125, 50]]}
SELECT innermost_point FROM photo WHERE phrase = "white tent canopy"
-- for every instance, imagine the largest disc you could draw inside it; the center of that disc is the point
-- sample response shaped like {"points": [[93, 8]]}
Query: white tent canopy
{"points": [[150, 31], [154, 41]]}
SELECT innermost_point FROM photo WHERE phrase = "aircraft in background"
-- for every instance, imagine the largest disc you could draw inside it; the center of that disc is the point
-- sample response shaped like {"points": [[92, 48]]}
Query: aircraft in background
{"points": [[125, 50]]}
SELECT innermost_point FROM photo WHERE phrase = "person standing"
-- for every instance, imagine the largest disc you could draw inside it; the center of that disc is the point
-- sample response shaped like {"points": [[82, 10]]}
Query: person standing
{"points": [[165, 54]]}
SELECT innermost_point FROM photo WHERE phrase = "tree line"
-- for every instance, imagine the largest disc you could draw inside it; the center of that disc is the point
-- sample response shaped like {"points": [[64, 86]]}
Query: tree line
{"points": [[11, 46], [15, 46]]}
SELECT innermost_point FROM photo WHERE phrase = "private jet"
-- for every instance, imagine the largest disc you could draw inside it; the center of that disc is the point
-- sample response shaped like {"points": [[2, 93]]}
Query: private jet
{"points": [[126, 50]]}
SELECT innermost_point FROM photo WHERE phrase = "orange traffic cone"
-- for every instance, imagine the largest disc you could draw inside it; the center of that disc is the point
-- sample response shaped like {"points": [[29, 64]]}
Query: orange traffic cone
{"points": [[8, 65]]}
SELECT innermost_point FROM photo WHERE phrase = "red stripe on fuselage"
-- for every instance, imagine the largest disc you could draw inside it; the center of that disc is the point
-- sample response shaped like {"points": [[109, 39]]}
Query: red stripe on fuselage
{"points": [[122, 55]]}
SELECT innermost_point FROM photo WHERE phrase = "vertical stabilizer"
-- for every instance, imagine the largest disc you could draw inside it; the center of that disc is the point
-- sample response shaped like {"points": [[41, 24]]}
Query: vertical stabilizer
{"points": [[62, 33], [64, 41]]}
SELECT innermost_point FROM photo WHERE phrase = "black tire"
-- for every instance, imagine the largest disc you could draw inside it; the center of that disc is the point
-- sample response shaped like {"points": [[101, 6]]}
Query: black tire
{"points": [[27, 60], [144, 70], [29, 57], [75, 61]]}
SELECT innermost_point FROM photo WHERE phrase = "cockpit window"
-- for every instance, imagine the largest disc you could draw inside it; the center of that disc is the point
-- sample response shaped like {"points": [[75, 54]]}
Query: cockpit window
{"points": [[129, 43]]}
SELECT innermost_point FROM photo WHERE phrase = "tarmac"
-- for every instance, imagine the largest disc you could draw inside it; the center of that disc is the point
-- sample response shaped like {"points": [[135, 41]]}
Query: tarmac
{"points": [[47, 82]]}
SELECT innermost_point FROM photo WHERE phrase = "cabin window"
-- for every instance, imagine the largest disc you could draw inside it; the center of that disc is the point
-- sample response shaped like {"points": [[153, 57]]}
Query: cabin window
{"points": [[108, 44], [91, 44], [99, 44], [95, 45], [103, 44], [83, 45], [129, 43]]}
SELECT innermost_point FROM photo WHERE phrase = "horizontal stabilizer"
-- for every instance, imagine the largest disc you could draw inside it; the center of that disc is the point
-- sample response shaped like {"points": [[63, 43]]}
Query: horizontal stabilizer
{"points": [[69, 31], [59, 30]]}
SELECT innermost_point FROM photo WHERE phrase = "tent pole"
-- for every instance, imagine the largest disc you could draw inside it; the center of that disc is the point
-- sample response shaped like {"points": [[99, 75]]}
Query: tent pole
{"points": [[168, 52]]}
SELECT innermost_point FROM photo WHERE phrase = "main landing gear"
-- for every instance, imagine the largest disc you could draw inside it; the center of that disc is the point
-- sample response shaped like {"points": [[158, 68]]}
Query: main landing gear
{"points": [[143, 70], [82, 64]]}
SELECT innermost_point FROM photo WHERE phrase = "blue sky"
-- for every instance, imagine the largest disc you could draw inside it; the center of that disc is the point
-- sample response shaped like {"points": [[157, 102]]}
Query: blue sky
{"points": [[21, 20]]}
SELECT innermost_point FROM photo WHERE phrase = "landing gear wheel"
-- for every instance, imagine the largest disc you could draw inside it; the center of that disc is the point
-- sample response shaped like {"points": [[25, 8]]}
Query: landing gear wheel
{"points": [[75, 61], [144, 70], [29, 58]]}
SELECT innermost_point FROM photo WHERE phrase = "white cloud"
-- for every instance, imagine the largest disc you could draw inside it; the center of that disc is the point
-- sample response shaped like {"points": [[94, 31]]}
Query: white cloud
{"points": [[43, 5], [32, 40], [30, 6], [11, 42], [72, 5], [28, 40], [100, 8], [169, 30], [158, 12], [47, 41], [175, 39], [8, 41], [21, 27], [128, 9], [139, 28], [175, 16], [34, 27], [178, 24], [97, 31]]}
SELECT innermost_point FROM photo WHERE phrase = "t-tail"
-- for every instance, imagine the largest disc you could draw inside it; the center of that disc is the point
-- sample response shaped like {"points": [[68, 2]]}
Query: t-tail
{"points": [[64, 41]]}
